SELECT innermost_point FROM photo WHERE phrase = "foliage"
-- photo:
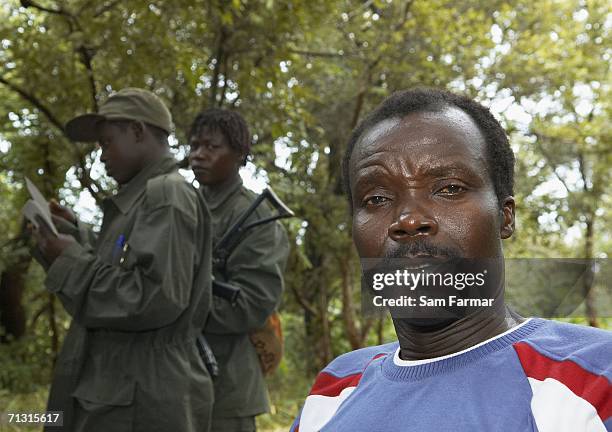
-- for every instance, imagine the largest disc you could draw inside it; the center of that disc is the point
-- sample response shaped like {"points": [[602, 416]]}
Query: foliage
{"points": [[303, 74]]}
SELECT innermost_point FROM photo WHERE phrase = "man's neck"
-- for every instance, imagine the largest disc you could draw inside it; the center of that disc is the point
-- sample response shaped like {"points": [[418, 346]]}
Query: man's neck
{"points": [[215, 188], [157, 153], [417, 343], [147, 164]]}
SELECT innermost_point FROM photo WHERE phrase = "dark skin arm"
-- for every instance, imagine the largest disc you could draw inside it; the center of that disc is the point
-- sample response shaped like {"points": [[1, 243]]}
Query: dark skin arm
{"points": [[49, 245]]}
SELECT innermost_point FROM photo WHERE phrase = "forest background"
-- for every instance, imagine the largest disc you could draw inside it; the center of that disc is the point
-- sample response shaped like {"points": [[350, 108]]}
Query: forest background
{"points": [[303, 73]]}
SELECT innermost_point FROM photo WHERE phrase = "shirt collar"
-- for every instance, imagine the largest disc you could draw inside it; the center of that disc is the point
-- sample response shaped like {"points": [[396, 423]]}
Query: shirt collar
{"points": [[127, 195], [398, 361], [217, 196]]}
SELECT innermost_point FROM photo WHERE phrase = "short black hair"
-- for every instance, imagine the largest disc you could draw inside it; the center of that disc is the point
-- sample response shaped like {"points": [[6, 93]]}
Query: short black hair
{"points": [[230, 123], [499, 154]]}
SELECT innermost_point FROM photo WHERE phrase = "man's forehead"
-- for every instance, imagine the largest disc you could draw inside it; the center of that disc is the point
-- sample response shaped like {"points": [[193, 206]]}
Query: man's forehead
{"points": [[378, 131], [446, 127], [208, 131]]}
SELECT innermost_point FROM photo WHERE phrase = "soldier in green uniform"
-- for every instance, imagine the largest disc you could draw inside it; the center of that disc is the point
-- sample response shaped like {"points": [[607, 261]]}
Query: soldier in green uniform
{"points": [[139, 292], [220, 143]]}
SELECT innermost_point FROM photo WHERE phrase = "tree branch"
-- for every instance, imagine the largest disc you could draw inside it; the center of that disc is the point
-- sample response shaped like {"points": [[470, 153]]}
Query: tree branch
{"points": [[549, 160], [38, 313], [358, 9], [86, 55], [365, 328], [316, 53], [35, 102], [28, 3], [217, 70], [87, 182], [405, 14], [302, 301], [106, 8], [70, 19], [225, 80], [582, 170], [84, 178]]}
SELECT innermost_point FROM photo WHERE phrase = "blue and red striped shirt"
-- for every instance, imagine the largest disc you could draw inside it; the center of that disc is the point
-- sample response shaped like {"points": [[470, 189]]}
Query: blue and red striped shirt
{"points": [[540, 376]]}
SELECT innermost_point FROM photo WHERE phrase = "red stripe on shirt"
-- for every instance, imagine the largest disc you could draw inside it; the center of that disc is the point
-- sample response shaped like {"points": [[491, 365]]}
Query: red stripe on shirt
{"points": [[329, 385], [593, 388]]}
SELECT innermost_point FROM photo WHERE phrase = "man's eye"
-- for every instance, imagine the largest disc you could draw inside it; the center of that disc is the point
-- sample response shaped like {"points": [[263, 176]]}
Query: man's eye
{"points": [[451, 190], [375, 200]]}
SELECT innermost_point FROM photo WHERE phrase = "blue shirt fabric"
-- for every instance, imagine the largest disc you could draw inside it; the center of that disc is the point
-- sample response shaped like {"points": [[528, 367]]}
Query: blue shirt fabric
{"points": [[540, 376]]}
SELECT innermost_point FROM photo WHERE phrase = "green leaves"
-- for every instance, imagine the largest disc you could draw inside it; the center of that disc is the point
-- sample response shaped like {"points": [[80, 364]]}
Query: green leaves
{"points": [[304, 73]]}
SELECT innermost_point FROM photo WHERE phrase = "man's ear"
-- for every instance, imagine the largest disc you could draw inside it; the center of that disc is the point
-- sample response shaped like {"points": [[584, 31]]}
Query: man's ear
{"points": [[507, 210], [138, 128]]}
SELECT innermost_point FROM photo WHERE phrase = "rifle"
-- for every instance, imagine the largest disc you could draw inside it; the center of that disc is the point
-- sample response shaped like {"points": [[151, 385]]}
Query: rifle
{"points": [[224, 249], [234, 235]]}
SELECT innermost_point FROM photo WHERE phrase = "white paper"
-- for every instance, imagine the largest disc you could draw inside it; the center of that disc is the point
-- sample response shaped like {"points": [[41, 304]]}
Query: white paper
{"points": [[38, 206]]}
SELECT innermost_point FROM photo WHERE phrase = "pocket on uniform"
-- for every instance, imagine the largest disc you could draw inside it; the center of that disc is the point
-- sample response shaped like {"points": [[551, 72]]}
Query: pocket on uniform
{"points": [[104, 404]]}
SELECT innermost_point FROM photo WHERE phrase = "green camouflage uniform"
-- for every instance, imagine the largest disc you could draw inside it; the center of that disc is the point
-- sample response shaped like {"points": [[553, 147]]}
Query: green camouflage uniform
{"points": [[129, 361], [256, 267]]}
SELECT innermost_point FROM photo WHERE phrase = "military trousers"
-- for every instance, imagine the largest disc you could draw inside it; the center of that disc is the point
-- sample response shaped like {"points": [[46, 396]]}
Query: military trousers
{"points": [[233, 424]]}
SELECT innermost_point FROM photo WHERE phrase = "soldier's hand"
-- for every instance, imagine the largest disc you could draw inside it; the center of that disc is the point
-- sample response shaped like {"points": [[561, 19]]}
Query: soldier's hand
{"points": [[50, 245], [58, 210]]}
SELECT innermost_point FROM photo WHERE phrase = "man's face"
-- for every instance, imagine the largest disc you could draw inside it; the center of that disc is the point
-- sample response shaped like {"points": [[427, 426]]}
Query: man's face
{"points": [[123, 151], [211, 157], [421, 187]]}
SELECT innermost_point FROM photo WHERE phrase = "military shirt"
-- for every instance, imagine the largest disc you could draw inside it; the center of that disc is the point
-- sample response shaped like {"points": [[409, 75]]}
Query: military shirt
{"points": [[256, 267], [138, 297]]}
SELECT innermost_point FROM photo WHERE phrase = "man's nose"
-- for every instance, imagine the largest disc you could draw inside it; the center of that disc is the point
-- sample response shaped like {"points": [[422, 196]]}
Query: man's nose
{"points": [[410, 224], [198, 153]]}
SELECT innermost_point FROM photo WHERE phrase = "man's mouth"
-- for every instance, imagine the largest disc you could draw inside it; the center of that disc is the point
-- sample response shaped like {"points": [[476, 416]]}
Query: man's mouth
{"points": [[199, 169], [423, 256], [421, 261], [422, 250]]}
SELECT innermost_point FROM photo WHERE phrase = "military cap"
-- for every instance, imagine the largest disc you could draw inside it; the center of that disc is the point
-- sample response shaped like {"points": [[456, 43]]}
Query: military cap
{"points": [[127, 104]]}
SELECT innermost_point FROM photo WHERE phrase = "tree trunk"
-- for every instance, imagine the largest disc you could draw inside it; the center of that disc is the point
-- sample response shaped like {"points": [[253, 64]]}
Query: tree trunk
{"points": [[12, 286], [380, 325], [348, 308], [589, 295], [324, 351], [12, 312]]}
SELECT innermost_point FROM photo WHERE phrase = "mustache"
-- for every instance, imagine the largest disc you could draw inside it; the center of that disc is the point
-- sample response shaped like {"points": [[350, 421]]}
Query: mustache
{"points": [[421, 246]]}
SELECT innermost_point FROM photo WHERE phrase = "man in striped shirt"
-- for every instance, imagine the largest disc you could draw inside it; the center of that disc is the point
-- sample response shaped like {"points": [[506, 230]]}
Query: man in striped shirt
{"points": [[429, 175]]}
